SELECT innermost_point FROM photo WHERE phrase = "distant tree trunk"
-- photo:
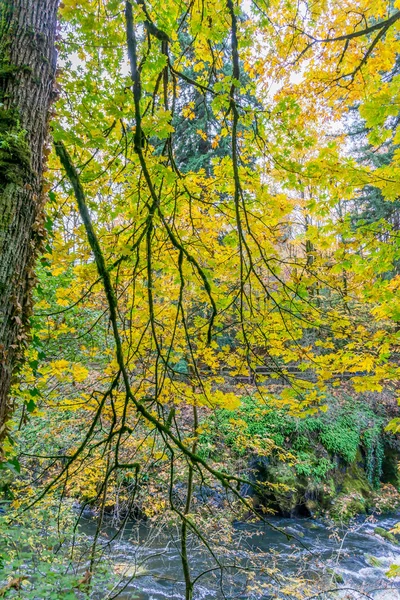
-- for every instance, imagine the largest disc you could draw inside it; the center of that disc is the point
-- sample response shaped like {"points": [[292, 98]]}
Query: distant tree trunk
{"points": [[27, 72]]}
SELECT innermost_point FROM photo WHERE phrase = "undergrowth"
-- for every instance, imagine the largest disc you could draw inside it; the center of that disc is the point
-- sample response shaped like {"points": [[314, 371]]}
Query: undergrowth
{"points": [[313, 441]]}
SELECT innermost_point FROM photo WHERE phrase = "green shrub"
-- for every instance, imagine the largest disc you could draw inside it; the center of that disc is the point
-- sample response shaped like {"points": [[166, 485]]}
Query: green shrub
{"points": [[308, 465], [341, 431], [341, 437], [42, 550]]}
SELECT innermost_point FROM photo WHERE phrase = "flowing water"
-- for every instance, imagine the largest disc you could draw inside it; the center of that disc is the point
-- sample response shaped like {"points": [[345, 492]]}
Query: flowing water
{"points": [[349, 559]]}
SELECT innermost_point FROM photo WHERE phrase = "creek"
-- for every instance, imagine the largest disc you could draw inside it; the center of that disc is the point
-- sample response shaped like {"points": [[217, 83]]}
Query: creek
{"points": [[339, 559]]}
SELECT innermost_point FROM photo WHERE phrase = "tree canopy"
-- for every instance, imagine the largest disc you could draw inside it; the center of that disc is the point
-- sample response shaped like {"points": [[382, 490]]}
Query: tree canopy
{"points": [[222, 221]]}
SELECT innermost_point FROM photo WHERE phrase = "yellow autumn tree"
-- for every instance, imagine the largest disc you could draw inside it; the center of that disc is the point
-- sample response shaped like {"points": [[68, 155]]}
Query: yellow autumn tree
{"points": [[166, 281]]}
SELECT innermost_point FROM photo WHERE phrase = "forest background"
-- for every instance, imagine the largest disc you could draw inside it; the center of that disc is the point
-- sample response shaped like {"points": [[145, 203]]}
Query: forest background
{"points": [[208, 288]]}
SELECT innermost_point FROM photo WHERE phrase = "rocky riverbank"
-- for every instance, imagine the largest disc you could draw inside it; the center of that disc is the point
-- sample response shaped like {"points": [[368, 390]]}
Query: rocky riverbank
{"points": [[338, 463]]}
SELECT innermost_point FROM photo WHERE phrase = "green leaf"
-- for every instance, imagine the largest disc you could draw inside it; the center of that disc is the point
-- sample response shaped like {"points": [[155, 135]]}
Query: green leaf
{"points": [[30, 406], [12, 465]]}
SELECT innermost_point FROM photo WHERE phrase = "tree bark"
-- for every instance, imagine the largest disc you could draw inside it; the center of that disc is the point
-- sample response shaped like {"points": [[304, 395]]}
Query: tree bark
{"points": [[27, 74]]}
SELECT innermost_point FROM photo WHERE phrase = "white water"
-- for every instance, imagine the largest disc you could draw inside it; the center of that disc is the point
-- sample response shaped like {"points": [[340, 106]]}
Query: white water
{"points": [[351, 562]]}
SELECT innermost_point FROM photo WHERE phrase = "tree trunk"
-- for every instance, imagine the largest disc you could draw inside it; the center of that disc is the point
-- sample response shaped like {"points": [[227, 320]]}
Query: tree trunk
{"points": [[27, 72]]}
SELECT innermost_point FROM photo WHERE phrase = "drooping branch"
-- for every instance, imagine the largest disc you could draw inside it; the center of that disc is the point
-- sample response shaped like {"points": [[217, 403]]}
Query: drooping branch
{"points": [[349, 36], [228, 480], [139, 136], [381, 27]]}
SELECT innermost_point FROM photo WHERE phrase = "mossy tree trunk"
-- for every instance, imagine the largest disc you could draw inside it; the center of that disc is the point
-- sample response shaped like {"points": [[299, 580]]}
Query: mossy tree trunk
{"points": [[27, 72]]}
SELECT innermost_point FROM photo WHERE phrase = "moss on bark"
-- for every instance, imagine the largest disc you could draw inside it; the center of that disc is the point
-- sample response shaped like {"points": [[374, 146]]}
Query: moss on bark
{"points": [[15, 154]]}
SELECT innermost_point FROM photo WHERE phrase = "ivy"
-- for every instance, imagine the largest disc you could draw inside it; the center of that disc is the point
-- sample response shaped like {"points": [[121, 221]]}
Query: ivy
{"points": [[373, 444]]}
